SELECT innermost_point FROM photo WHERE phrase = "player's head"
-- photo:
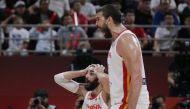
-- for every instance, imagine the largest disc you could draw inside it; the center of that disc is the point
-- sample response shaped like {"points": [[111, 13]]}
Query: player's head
{"points": [[105, 16], [91, 80]]}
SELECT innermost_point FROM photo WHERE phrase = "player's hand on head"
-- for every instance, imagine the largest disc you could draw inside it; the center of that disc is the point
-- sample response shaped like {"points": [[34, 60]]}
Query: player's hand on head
{"points": [[98, 68], [90, 68], [86, 70]]}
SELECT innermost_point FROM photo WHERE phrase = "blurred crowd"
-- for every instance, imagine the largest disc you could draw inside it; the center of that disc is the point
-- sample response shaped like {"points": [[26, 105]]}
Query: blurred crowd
{"points": [[52, 25], [48, 26]]}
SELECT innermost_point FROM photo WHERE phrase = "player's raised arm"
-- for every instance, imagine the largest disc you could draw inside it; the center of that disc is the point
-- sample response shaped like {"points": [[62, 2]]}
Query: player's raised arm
{"points": [[64, 79], [104, 81], [102, 77]]}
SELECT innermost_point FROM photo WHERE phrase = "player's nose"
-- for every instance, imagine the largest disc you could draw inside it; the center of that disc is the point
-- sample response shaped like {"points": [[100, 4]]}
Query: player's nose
{"points": [[87, 75]]}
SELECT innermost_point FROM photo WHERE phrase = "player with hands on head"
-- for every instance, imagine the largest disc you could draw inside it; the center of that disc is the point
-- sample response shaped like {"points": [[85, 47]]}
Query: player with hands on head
{"points": [[95, 90]]}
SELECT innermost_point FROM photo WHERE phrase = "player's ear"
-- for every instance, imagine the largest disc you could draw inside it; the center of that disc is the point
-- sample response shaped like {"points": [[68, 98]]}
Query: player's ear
{"points": [[108, 20]]}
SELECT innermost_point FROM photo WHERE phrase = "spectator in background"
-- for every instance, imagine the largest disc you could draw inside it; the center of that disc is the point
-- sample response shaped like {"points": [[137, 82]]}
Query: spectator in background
{"points": [[40, 100], [69, 35], [30, 2], [96, 3], [178, 75], [88, 9], [20, 10], [3, 4], [18, 36], [9, 5], [165, 33], [2, 9], [155, 4], [59, 6], [98, 34], [79, 102], [182, 5], [43, 13], [143, 11], [186, 11], [132, 4], [130, 22], [101, 2], [82, 18], [185, 32], [160, 14], [117, 4], [45, 38], [158, 102], [2, 36]]}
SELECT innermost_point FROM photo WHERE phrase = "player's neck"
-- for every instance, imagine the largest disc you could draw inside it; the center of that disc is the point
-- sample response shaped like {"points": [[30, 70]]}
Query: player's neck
{"points": [[116, 30], [97, 90]]}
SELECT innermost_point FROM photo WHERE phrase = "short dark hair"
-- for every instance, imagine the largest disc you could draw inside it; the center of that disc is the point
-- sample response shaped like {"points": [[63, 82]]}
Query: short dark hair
{"points": [[111, 11], [155, 103], [129, 11], [168, 14], [41, 93]]}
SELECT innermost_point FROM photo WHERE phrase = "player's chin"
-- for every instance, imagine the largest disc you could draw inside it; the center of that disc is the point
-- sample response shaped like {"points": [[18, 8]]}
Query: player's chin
{"points": [[86, 84], [87, 87]]}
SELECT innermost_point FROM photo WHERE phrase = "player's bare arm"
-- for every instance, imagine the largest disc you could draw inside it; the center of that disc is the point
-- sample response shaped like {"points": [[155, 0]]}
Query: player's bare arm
{"points": [[65, 80], [104, 81], [129, 49]]}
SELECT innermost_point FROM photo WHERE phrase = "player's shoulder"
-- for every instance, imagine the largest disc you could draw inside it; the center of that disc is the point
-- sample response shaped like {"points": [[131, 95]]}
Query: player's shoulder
{"points": [[127, 36]]}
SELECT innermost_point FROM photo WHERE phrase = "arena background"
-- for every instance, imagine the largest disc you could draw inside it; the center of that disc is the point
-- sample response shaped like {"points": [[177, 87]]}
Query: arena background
{"points": [[20, 76]]}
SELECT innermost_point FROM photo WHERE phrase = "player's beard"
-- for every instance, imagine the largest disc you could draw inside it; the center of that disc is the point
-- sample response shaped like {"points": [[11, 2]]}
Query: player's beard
{"points": [[91, 85], [106, 31]]}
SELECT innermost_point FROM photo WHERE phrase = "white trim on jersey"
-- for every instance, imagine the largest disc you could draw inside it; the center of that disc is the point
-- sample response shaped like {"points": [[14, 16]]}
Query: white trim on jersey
{"points": [[94, 103]]}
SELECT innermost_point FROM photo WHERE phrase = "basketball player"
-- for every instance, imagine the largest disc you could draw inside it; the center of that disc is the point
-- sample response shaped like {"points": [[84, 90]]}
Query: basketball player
{"points": [[128, 88], [96, 89]]}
